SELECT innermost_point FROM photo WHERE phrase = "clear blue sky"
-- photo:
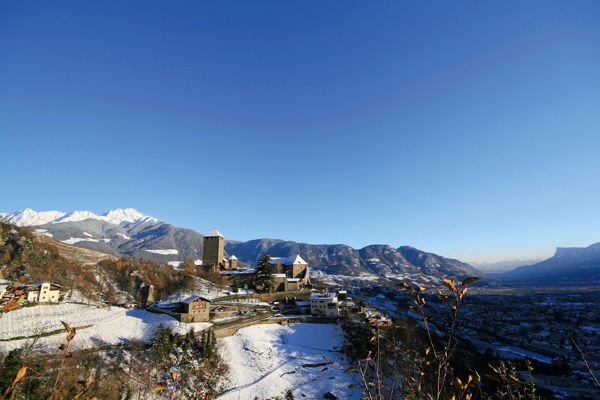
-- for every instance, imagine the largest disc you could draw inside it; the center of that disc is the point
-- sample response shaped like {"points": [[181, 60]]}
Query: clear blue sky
{"points": [[466, 128]]}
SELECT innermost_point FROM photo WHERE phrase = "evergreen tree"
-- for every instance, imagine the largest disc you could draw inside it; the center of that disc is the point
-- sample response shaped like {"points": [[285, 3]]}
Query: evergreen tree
{"points": [[188, 341], [10, 367], [209, 344], [162, 345], [289, 395], [264, 275]]}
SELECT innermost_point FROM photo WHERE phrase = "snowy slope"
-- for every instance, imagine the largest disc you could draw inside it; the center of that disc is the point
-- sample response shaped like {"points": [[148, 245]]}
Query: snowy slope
{"points": [[267, 360], [98, 326]]}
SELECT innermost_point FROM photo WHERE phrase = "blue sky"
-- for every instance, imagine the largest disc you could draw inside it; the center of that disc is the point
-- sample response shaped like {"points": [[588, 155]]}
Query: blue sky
{"points": [[470, 129]]}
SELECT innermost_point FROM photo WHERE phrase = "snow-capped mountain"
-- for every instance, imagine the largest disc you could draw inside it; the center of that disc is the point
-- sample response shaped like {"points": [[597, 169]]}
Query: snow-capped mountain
{"points": [[120, 232], [29, 217], [130, 233]]}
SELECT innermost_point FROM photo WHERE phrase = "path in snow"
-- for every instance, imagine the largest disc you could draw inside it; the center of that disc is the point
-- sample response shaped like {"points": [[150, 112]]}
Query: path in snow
{"points": [[267, 360]]}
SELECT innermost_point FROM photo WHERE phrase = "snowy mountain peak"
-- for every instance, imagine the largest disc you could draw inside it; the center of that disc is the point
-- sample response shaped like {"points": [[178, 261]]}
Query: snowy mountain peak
{"points": [[127, 215], [119, 216], [76, 216], [28, 217]]}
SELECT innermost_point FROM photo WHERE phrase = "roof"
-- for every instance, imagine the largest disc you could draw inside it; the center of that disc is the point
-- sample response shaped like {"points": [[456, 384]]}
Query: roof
{"points": [[192, 299], [293, 279], [320, 296], [295, 260], [214, 233], [232, 257], [36, 284], [278, 275]]}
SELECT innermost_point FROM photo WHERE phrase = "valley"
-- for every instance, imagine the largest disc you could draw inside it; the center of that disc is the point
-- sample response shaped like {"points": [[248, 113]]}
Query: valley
{"points": [[268, 342]]}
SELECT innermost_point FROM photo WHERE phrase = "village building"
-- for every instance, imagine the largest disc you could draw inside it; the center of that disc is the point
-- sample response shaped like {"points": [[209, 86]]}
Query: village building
{"points": [[129, 304], [42, 292], [195, 309], [302, 307], [324, 304], [192, 309]]}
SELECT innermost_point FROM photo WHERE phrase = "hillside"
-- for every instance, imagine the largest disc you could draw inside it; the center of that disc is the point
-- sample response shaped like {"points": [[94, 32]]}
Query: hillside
{"points": [[75, 254], [29, 257]]}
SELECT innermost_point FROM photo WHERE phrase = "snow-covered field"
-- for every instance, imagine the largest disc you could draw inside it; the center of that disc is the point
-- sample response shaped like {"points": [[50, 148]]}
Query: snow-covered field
{"points": [[267, 360], [105, 326]]}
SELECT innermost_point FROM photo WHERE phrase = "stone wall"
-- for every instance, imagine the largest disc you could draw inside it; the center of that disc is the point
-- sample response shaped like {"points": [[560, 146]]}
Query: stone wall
{"points": [[269, 297]]}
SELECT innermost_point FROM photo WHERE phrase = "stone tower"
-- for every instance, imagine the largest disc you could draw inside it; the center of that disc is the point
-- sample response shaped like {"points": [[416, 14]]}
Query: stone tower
{"points": [[214, 249]]}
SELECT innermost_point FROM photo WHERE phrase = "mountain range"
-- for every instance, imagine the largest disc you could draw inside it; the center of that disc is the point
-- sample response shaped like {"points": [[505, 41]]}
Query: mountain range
{"points": [[568, 265], [130, 233], [120, 232]]}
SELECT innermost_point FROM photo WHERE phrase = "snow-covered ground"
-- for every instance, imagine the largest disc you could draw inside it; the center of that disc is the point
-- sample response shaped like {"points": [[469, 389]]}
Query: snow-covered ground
{"points": [[74, 240], [103, 326], [164, 252], [517, 352], [267, 360]]}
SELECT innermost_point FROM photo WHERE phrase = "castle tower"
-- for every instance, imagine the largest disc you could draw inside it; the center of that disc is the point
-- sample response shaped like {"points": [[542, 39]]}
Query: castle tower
{"points": [[214, 249], [297, 266]]}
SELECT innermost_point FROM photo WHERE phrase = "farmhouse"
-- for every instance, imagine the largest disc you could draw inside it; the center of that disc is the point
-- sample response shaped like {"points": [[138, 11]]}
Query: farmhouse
{"points": [[192, 309], [42, 292], [195, 309]]}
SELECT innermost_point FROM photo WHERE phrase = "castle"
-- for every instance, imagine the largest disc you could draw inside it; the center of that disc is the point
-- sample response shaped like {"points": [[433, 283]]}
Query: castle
{"points": [[291, 273]]}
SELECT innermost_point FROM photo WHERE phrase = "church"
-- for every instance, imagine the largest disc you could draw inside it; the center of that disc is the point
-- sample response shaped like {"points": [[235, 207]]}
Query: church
{"points": [[291, 273]]}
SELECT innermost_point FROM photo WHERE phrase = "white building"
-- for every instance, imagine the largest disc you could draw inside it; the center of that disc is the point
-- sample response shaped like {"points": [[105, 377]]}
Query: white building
{"points": [[325, 304], [43, 292]]}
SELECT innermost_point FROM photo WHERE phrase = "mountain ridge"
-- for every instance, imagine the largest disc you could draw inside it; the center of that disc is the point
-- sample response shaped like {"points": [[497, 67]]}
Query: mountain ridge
{"points": [[568, 264], [130, 233]]}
